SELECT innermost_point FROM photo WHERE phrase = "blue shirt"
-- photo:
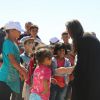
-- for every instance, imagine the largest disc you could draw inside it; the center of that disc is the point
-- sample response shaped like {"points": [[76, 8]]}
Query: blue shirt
{"points": [[8, 73], [26, 60]]}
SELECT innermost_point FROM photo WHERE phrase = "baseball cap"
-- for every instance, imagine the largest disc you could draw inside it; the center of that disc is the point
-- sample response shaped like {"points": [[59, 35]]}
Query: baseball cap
{"points": [[25, 39], [13, 25], [54, 40]]}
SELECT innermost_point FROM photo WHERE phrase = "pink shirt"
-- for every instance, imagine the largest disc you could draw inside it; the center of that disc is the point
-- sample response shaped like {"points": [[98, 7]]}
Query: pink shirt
{"points": [[41, 73]]}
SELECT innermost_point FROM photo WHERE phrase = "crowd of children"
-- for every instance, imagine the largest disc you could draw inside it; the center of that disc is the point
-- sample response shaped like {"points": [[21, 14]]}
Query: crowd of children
{"points": [[32, 70]]}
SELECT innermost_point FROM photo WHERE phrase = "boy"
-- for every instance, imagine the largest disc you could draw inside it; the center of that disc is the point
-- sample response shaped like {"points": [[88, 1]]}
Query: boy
{"points": [[28, 44]]}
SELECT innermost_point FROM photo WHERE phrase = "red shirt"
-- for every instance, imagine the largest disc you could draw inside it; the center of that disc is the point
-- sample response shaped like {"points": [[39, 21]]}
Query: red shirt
{"points": [[30, 72], [60, 79]]}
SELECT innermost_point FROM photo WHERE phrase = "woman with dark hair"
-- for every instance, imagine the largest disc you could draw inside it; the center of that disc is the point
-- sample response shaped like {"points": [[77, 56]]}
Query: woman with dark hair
{"points": [[86, 83]]}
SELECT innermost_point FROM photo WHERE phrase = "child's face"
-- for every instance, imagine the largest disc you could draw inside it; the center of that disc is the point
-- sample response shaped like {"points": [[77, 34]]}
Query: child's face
{"points": [[61, 53], [29, 46], [65, 38], [47, 61], [27, 26], [34, 32], [15, 33]]}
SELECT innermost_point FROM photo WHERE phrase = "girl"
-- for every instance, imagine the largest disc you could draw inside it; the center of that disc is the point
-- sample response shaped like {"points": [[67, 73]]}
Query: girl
{"points": [[11, 69], [42, 73], [59, 86]]}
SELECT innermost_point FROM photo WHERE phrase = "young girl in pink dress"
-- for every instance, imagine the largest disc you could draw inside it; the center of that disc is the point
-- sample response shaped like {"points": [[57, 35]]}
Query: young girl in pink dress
{"points": [[41, 77]]}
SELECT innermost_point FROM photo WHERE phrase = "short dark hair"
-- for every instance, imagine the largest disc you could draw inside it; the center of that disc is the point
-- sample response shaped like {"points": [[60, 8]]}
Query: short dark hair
{"points": [[64, 33], [58, 47], [43, 53]]}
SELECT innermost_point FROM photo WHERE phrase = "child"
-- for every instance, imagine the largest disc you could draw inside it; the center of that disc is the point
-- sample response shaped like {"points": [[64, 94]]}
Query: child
{"points": [[11, 69], [25, 57], [28, 52], [34, 34], [42, 73], [59, 84], [65, 37]]}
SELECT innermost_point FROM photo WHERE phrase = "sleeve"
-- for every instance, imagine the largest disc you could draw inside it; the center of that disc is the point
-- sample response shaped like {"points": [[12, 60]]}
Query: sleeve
{"points": [[9, 45], [68, 64], [53, 67]]}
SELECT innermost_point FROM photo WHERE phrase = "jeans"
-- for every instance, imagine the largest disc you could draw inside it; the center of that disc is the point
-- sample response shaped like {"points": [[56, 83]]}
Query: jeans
{"points": [[57, 93]]}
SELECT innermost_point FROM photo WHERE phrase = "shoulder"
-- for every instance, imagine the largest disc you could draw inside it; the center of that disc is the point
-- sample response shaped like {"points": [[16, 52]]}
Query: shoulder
{"points": [[89, 40], [8, 42], [66, 59], [23, 54], [53, 59]]}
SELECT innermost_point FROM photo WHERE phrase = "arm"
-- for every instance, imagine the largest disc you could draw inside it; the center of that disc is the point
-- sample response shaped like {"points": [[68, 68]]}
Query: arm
{"points": [[46, 87], [64, 70], [17, 66]]}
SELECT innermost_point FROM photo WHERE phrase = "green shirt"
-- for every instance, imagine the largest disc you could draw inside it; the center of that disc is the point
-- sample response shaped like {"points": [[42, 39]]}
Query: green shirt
{"points": [[8, 73]]}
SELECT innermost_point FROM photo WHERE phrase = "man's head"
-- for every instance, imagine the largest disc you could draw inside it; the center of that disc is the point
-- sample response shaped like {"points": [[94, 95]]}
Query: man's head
{"points": [[34, 30], [27, 26], [28, 43], [65, 37]]}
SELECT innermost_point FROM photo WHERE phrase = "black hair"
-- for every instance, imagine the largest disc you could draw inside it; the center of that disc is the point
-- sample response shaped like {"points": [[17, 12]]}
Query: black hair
{"points": [[76, 31], [42, 53], [58, 47], [75, 28], [64, 33]]}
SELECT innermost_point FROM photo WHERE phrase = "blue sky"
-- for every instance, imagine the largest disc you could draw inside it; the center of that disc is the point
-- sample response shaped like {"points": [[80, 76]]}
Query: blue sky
{"points": [[51, 15]]}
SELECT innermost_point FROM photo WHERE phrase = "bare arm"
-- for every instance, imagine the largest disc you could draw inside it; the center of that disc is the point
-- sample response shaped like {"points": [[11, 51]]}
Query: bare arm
{"points": [[17, 66], [64, 70], [46, 87]]}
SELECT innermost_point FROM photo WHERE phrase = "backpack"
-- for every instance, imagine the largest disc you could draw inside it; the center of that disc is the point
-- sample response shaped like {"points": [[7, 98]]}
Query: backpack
{"points": [[2, 38]]}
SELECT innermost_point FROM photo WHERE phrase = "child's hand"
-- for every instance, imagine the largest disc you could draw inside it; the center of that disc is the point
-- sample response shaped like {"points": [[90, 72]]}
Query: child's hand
{"points": [[53, 80], [21, 77], [23, 73]]}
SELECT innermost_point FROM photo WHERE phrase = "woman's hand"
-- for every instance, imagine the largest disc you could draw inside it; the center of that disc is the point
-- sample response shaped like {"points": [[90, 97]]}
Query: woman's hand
{"points": [[64, 70]]}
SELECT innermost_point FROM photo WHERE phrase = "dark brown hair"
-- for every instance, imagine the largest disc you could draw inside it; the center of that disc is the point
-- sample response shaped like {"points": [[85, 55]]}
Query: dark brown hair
{"points": [[42, 53], [64, 33], [76, 30]]}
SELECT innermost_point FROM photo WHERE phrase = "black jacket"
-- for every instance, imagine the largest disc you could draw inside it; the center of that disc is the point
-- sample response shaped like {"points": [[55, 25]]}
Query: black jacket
{"points": [[86, 85]]}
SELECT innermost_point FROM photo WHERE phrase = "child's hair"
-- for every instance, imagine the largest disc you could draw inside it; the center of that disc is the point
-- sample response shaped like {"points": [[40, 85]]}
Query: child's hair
{"points": [[58, 47], [64, 33], [43, 53]]}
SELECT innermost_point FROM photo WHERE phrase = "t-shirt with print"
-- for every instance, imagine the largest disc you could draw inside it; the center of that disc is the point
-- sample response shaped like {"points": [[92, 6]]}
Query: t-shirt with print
{"points": [[41, 73], [8, 73]]}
